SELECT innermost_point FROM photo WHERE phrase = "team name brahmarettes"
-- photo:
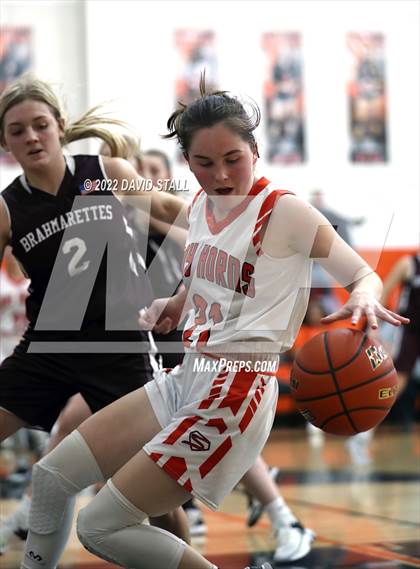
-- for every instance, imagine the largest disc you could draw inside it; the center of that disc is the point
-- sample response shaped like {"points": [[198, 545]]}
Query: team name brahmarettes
{"points": [[59, 223], [217, 266]]}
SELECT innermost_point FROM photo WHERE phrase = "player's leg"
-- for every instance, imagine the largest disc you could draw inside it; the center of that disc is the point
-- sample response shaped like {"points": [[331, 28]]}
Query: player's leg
{"points": [[196, 523], [293, 540], [102, 445], [124, 504], [114, 435], [73, 414], [9, 424]]}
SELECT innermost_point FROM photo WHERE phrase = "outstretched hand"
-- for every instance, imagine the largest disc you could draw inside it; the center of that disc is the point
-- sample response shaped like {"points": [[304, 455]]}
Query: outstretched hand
{"points": [[365, 304]]}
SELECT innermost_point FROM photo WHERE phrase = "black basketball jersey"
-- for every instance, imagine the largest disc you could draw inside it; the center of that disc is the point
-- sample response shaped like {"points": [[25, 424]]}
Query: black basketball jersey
{"points": [[78, 250], [410, 296]]}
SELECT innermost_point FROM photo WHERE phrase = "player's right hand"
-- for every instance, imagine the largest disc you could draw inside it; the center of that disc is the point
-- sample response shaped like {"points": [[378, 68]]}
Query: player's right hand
{"points": [[157, 317]]}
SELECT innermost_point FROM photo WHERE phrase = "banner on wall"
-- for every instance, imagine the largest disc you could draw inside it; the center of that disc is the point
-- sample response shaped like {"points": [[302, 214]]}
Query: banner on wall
{"points": [[16, 57], [196, 54], [283, 98], [367, 98]]}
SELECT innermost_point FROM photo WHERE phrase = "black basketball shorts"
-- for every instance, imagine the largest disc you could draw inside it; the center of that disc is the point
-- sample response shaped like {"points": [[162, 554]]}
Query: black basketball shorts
{"points": [[36, 387]]}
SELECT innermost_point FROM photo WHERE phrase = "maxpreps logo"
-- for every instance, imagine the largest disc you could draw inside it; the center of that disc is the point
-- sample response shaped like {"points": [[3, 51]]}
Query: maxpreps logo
{"points": [[376, 355]]}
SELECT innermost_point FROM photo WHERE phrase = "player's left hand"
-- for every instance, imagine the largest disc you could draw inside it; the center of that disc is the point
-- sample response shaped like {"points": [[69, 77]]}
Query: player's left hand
{"points": [[362, 303]]}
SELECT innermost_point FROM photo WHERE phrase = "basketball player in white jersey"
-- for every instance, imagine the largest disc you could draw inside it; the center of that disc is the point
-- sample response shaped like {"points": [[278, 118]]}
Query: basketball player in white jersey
{"points": [[201, 427]]}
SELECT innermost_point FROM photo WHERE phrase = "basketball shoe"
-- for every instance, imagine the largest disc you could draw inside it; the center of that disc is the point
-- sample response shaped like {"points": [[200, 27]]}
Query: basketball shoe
{"points": [[293, 542]]}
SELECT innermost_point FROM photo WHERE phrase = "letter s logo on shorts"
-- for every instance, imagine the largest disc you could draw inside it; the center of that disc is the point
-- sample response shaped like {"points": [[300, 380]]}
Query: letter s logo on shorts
{"points": [[197, 441]]}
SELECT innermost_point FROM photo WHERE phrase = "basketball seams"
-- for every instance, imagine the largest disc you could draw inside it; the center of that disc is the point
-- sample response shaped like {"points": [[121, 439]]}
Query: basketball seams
{"points": [[334, 378], [347, 389], [356, 354], [353, 410], [351, 397]]}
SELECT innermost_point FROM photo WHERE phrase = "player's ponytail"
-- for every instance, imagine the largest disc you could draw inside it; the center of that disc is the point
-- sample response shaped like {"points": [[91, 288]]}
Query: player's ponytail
{"points": [[90, 126], [211, 108]]}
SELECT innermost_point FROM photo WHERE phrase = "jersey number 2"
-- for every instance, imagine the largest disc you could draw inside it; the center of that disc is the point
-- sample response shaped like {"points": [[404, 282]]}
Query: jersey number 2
{"points": [[74, 268]]}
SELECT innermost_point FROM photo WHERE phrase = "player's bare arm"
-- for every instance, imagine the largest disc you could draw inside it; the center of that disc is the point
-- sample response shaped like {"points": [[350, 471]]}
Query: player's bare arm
{"points": [[297, 227], [164, 206], [4, 228]]}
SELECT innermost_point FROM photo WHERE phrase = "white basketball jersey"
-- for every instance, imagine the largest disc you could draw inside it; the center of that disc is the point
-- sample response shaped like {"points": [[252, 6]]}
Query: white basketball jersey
{"points": [[244, 300], [12, 312]]}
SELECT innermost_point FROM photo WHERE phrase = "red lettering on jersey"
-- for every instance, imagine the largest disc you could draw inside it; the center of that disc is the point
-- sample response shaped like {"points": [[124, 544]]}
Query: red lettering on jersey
{"points": [[189, 257], [249, 288], [233, 273], [211, 261], [201, 265], [221, 263]]}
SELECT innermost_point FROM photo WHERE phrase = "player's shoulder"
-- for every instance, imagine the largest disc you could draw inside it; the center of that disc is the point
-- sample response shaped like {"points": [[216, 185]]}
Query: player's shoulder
{"points": [[290, 203], [13, 186]]}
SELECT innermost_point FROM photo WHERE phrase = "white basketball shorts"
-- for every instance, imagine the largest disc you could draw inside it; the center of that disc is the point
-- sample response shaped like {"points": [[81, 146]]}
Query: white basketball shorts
{"points": [[214, 424]]}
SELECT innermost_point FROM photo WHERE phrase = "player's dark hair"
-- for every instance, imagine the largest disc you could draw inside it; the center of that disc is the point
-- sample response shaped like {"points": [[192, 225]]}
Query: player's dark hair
{"points": [[210, 109]]}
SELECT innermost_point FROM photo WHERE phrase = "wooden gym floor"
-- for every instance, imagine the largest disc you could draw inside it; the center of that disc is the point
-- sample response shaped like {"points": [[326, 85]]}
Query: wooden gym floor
{"points": [[365, 517]]}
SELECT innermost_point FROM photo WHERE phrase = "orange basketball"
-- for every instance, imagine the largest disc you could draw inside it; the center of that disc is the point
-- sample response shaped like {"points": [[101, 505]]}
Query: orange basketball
{"points": [[343, 381]]}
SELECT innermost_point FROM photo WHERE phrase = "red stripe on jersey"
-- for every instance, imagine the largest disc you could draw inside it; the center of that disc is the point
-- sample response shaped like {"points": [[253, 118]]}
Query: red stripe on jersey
{"points": [[193, 202], [156, 456], [264, 216], [217, 226], [181, 429], [216, 457], [218, 423], [215, 390], [205, 404], [175, 466], [188, 485], [252, 407], [238, 390], [246, 419]]}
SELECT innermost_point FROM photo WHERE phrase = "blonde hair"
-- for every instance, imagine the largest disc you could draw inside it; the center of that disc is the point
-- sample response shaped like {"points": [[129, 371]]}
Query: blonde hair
{"points": [[132, 148], [29, 87]]}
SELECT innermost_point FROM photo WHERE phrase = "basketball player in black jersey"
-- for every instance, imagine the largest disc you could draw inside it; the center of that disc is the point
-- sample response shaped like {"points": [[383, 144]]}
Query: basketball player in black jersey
{"points": [[69, 233]]}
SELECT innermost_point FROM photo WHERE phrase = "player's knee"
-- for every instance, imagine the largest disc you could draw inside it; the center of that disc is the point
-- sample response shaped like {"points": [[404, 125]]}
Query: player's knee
{"points": [[62, 473], [113, 510], [101, 529], [49, 499]]}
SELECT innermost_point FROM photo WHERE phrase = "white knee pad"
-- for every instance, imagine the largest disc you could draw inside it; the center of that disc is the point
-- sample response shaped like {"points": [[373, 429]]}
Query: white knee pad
{"points": [[66, 470], [112, 528]]}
